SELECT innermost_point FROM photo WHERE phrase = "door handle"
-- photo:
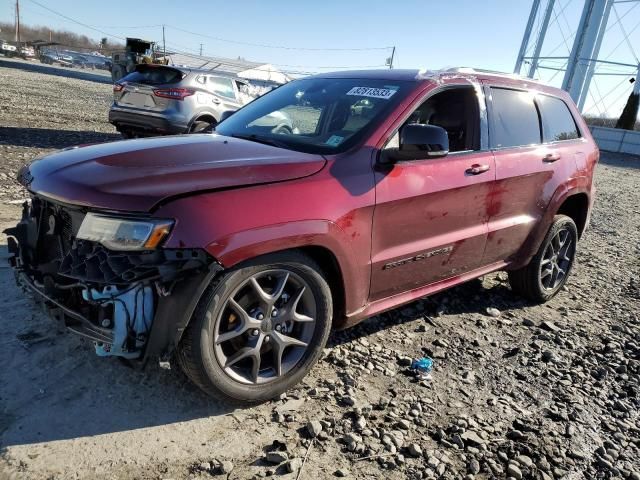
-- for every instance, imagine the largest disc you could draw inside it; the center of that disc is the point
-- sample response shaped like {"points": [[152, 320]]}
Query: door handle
{"points": [[551, 157], [477, 169]]}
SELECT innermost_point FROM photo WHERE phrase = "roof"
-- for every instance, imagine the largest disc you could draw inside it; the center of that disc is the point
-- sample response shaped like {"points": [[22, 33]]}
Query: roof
{"points": [[388, 74], [422, 75], [220, 64], [230, 67]]}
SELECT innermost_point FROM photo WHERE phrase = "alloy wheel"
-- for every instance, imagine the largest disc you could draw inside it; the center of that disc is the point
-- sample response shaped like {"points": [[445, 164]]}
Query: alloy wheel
{"points": [[557, 259], [265, 327]]}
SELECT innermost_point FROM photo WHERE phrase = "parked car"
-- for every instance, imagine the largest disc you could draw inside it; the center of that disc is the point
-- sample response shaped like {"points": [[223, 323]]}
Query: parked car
{"points": [[7, 49], [53, 57], [27, 52], [159, 99], [236, 253]]}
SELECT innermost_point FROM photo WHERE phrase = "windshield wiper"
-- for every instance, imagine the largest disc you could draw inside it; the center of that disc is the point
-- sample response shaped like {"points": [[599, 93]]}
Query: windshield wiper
{"points": [[260, 139]]}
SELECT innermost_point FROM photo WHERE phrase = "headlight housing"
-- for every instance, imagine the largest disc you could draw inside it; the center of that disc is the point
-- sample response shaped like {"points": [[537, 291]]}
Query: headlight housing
{"points": [[124, 233]]}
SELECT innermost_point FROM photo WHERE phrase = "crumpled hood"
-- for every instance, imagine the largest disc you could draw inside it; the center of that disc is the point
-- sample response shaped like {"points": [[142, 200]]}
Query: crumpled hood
{"points": [[134, 175]]}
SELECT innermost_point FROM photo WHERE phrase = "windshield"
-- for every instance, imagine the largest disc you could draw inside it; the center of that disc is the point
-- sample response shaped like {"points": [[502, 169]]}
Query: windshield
{"points": [[316, 115]]}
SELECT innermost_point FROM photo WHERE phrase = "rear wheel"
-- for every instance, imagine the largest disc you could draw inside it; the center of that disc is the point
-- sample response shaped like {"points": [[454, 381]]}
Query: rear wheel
{"points": [[549, 269], [258, 329], [126, 134]]}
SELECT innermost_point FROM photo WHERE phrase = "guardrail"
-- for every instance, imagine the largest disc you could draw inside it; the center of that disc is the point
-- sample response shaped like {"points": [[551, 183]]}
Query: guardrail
{"points": [[617, 140]]}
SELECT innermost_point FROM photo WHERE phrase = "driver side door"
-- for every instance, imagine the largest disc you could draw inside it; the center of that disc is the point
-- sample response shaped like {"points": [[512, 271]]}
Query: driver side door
{"points": [[430, 221]]}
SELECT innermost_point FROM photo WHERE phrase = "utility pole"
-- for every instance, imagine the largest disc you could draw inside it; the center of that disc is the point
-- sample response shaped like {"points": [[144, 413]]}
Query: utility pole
{"points": [[527, 36], [200, 49], [164, 44], [585, 47], [540, 40], [393, 53], [18, 24]]}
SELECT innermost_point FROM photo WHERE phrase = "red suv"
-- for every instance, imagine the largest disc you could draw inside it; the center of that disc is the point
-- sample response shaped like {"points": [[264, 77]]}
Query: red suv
{"points": [[238, 251]]}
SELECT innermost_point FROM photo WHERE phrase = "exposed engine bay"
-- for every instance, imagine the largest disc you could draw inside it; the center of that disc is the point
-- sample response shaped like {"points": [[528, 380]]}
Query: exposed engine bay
{"points": [[108, 296]]}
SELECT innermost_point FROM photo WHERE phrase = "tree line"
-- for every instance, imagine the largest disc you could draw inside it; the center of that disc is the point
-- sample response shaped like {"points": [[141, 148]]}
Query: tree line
{"points": [[31, 33]]}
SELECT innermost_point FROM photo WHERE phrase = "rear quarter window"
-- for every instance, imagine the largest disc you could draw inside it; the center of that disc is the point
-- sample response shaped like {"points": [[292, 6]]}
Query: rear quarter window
{"points": [[557, 122], [515, 120], [154, 76]]}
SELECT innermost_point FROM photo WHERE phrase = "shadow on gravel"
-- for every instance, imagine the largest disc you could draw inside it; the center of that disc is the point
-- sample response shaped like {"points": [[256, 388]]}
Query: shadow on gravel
{"points": [[49, 138], [470, 297], [619, 160], [53, 387], [59, 71]]}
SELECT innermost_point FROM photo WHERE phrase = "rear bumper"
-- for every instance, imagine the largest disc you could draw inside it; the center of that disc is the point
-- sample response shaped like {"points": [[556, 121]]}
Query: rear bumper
{"points": [[148, 123]]}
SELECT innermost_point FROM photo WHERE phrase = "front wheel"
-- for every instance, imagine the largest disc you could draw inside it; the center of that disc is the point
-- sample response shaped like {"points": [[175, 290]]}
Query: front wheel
{"points": [[549, 269], [258, 329]]}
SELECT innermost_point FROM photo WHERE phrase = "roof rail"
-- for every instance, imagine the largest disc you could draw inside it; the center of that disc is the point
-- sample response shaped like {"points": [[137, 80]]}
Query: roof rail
{"points": [[490, 72]]}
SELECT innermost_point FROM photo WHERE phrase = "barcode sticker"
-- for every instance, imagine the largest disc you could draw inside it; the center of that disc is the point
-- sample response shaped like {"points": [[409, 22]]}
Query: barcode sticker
{"points": [[384, 93]]}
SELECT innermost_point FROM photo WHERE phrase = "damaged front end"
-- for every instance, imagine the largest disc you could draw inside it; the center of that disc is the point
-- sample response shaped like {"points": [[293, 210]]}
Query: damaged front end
{"points": [[106, 278]]}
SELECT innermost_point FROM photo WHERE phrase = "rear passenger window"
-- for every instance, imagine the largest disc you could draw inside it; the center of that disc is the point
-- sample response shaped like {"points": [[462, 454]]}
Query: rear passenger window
{"points": [[557, 121], [515, 119], [222, 86]]}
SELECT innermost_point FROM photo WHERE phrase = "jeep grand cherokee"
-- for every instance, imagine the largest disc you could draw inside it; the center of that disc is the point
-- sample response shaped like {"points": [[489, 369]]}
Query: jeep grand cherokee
{"points": [[236, 252]]}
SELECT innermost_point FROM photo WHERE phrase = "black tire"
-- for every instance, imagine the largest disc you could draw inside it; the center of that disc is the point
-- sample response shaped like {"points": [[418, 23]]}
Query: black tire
{"points": [[202, 126], [127, 134], [196, 354], [529, 281]]}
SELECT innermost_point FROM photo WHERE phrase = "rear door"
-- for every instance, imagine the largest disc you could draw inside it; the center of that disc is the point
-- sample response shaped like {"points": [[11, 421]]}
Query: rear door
{"points": [[534, 139], [224, 94]]}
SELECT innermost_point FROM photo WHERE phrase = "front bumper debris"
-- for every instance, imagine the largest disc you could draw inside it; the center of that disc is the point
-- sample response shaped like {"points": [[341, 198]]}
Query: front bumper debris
{"points": [[115, 299]]}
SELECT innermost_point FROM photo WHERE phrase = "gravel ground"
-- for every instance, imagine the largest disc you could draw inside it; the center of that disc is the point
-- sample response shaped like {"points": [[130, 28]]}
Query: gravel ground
{"points": [[518, 391]]}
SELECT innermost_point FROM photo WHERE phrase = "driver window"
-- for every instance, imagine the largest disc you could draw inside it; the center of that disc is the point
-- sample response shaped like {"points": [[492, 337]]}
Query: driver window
{"points": [[457, 111]]}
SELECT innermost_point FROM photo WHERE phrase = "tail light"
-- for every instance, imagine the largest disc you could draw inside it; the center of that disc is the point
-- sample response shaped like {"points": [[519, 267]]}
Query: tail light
{"points": [[117, 87], [174, 93]]}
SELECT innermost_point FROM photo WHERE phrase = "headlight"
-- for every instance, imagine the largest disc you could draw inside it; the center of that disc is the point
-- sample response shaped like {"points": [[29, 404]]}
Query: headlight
{"points": [[123, 233]]}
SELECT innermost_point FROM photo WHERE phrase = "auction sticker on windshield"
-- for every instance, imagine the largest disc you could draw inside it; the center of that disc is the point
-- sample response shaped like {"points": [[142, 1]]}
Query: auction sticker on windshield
{"points": [[384, 93]]}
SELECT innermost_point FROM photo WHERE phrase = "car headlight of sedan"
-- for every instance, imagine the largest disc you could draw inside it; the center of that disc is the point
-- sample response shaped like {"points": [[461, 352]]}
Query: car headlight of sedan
{"points": [[124, 233]]}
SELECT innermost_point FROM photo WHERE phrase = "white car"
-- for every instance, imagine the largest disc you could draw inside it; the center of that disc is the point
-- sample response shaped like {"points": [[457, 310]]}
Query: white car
{"points": [[7, 49], [28, 52]]}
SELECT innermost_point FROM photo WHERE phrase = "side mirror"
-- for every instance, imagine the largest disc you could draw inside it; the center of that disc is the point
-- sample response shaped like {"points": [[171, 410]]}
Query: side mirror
{"points": [[226, 114], [419, 142]]}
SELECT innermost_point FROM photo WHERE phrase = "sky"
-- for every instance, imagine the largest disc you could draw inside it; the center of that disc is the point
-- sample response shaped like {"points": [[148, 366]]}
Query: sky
{"points": [[323, 35], [427, 33]]}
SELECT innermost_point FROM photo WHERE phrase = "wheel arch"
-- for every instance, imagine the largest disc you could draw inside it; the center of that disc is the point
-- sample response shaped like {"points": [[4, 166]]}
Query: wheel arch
{"points": [[330, 269], [206, 115], [321, 240], [576, 206], [332, 273], [571, 199]]}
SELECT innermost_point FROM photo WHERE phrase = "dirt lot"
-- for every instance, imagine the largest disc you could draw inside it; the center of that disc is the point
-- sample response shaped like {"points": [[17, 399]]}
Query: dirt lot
{"points": [[523, 391]]}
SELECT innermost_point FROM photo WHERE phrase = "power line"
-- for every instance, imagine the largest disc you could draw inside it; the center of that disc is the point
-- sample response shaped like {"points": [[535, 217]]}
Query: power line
{"points": [[76, 21], [282, 47]]}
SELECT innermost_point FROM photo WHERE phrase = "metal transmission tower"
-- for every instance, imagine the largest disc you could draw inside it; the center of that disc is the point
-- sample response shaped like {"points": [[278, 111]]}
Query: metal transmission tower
{"points": [[580, 65]]}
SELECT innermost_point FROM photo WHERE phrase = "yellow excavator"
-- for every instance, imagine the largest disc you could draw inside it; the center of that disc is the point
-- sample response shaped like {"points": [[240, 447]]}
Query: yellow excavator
{"points": [[136, 51]]}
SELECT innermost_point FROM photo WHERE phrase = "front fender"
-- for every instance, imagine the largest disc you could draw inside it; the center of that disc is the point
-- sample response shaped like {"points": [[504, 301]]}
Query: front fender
{"points": [[238, 247]]}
